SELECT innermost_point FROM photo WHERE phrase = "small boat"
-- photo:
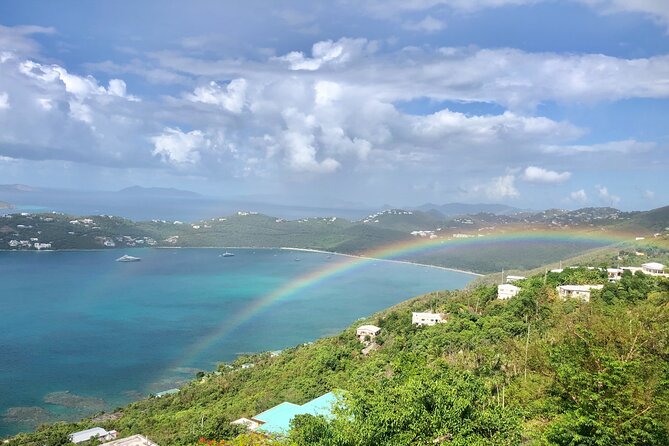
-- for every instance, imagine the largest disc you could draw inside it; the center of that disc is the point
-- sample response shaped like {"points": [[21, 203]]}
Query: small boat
{"points": [[127, 258], [227, 254], [298, 260]]}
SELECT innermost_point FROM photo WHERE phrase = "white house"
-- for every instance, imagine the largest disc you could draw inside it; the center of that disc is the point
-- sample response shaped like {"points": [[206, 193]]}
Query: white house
{"points": [[95, 432], [614, 274], [653, 268], [511, 279], [250, 423], [577, 291], [422, 319], [134, 440], [507, 291], [365, 332]]}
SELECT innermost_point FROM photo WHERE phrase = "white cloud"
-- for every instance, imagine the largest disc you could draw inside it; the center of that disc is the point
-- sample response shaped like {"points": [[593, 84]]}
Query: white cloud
{"points": [[649, 194], [658, 9], [619, 147], [17, 40], [579, 196], [231, 97], [327, 92], [429, 25], [505, 128], [79, 86], [4, 101], [301, 154], [606, 197], [329, 53], [501, 188], [177, 147], [533, 174]]}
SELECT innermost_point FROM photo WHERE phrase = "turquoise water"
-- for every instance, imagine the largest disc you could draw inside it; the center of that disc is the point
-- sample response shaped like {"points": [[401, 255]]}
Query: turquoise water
{"points": [[108, 333]]}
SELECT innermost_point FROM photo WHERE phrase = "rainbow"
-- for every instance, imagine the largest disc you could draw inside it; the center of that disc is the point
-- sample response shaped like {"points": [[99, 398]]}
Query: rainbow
{"points": [[394, 251]]}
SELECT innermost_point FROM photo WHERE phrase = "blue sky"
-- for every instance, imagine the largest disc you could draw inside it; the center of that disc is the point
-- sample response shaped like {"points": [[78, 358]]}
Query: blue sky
{"points": [[534, 103]]}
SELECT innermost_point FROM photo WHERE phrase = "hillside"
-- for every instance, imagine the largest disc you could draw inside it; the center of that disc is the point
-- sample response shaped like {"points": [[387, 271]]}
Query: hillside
{"points": [[533, 370], [388, 228]]}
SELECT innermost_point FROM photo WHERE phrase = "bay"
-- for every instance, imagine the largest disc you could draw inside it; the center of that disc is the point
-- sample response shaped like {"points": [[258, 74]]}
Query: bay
{"points": [[81, 333]]}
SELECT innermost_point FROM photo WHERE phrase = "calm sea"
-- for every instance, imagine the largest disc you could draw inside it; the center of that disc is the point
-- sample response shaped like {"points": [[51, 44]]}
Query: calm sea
{"points": [[80, 333]]}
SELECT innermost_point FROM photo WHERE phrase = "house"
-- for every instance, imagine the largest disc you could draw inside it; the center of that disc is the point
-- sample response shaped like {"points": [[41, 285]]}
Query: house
{"points": [[577, 291], [422, 319], [250, 423], [95, 432], [507, 291], [277, 419], [511, 279], [365, 333], [653, 268], [39, 246], [134, 440], [614, 274], [167, 392]]}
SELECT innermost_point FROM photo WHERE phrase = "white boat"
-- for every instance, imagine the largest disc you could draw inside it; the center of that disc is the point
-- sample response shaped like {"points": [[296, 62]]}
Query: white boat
{"points": [[127, 258], [227, 254]]}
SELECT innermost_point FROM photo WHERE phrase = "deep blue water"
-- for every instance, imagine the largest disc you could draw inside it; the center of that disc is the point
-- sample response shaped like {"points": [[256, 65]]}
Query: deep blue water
{"points": [[110, 332]]}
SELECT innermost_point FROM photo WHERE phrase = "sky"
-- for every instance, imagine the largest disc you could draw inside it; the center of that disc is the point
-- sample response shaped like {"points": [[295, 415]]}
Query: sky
{"points": [[531, 103]]}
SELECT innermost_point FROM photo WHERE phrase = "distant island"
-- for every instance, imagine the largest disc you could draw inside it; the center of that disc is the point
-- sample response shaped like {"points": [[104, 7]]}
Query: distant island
{"points": [[4, 205], [557, 235]]}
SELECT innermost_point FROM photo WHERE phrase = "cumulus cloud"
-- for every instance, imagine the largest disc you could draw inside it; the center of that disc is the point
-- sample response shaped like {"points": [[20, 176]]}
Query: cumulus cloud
{"points": [[649, 194], [500, 188], [579, 196], [81, 87], [177, 147], [606, 197], [429, 25], [329, 53], [231, 97], [533, 174]]}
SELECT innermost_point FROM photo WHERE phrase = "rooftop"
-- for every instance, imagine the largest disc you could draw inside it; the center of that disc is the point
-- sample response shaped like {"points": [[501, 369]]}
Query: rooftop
{"points": [[277, 419], [135, 440]]}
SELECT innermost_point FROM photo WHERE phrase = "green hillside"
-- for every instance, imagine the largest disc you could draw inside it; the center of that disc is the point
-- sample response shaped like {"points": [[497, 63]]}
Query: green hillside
{"points": [[656, 221], [60, 231], [533, 370]]}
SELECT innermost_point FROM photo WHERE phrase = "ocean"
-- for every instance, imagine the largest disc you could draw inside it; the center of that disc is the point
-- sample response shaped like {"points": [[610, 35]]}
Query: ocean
{"points": [[81, 333]]}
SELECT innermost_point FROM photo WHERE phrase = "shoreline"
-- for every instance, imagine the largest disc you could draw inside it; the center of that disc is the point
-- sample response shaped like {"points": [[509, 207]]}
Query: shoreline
{"points": [[406, 262], [285, 248]]}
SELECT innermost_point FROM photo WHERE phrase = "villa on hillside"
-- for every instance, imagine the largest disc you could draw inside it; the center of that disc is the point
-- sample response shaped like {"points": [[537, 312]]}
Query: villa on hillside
{"points": [[167, 392], [507, 291], [653, 268], [650, 268], [582, 292], [366, 333], [277, 419], [134, 440], [511, 279], [614, 274], [93, 433], [422, 319]]}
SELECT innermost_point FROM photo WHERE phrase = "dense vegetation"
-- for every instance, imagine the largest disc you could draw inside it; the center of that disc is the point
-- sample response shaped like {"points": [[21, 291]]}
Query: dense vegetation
{"points": [[533, 370]]}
